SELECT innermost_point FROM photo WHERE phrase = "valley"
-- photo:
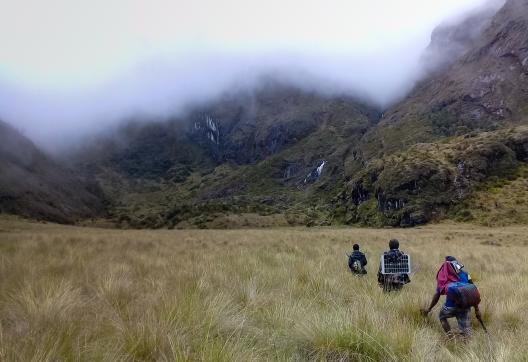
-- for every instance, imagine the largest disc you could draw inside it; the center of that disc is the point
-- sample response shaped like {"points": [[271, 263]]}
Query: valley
{"points": [[186, 181], [77, 293], [277, 154]]}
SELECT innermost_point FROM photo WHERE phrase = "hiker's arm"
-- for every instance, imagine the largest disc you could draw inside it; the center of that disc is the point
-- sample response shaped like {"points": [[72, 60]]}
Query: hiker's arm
{"points": [[436, 298], [364, 260]]}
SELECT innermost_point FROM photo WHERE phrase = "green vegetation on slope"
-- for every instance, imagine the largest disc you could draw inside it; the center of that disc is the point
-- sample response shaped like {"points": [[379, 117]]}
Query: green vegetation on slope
{"points": [[224, 193], [497, 201], [425, 181]]}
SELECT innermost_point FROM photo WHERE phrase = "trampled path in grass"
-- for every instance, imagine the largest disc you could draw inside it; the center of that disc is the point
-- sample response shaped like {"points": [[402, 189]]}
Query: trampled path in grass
{"points": [[73, 293]]}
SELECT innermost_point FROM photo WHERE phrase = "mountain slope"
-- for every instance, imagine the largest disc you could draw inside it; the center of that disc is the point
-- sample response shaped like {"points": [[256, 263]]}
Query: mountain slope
{"points": [[416, 169], [33, 185], [310, 159], [427, 180], [277, 154], [270, 150], [485, 89]]}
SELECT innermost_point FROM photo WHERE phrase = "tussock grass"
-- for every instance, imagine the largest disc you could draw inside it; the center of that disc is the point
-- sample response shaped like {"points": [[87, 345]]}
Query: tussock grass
{"points": [[85, 294], [497, 202]]}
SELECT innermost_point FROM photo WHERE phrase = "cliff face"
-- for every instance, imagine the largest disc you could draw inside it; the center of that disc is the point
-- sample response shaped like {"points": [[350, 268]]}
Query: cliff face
{"points": [[452, 39], [248, 127]]}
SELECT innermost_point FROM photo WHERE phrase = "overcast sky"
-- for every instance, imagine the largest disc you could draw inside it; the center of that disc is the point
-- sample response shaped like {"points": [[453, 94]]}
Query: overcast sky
{"points": [[69, 66]]}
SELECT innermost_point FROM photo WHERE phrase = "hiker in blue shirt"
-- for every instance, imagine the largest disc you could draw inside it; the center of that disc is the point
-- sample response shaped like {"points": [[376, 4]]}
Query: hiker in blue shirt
{"points": [[461, 295]]}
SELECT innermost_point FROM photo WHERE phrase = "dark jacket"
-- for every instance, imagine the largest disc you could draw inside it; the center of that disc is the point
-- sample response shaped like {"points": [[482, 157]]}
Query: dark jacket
{"points": [[357, 255], [394, 279]]}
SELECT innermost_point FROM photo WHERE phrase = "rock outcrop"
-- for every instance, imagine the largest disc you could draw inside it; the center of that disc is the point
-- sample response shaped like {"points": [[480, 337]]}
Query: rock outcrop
{"points": [[420, 184]]}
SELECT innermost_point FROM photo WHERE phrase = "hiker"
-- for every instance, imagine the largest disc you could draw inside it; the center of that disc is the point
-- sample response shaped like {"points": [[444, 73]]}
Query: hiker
{"points": [[394, 281], [357, 261], [461, 294]]}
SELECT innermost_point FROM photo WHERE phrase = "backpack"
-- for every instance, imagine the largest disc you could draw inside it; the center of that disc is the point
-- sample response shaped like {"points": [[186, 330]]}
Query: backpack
{"points": [[356, 266], [464, 295]]}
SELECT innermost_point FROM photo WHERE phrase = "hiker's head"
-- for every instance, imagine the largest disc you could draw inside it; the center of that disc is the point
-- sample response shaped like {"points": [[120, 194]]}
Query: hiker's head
{"points": [[394, 244], [355, 247], [450, 258]]}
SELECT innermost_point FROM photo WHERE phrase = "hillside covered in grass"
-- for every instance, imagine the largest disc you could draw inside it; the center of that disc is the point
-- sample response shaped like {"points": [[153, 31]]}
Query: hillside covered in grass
{"points": [[497, 202], [431, 180]]}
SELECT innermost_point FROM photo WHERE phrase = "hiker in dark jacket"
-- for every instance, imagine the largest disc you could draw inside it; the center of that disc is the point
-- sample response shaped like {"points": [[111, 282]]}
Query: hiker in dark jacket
{"points": [[391, 282], [357, 261], [461, 295]]}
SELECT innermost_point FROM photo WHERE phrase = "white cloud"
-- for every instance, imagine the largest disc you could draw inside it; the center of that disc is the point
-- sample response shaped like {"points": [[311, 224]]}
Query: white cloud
{"points": [[70, 65]]}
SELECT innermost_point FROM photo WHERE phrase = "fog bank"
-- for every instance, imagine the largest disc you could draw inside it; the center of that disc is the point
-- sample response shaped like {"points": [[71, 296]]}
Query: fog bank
{"points": [[73, 69]]}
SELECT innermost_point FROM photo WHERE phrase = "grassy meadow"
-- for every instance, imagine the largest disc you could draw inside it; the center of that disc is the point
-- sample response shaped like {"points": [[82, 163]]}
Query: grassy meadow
{"points": [[86, 294]]}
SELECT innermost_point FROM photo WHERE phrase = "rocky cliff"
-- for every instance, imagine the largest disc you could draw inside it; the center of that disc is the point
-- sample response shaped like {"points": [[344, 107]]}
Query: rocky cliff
{"points": [[414, 170]]}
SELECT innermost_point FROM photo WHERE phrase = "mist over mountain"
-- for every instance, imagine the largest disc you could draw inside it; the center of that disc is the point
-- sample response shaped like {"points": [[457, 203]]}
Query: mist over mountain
{"points": [[381, 137], [58, 94]]}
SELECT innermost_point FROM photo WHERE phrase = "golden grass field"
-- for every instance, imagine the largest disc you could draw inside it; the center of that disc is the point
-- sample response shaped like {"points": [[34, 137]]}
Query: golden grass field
{"points": [[86, 294]]}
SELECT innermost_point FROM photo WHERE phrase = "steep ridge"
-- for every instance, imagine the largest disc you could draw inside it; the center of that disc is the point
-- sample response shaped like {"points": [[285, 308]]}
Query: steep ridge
{"points": [[453, 38], [457, 130], [485, 89], [33, 185]]}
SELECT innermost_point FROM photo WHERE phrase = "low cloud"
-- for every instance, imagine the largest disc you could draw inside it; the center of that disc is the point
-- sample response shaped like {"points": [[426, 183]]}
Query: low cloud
{"points": [[368, 49]]}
